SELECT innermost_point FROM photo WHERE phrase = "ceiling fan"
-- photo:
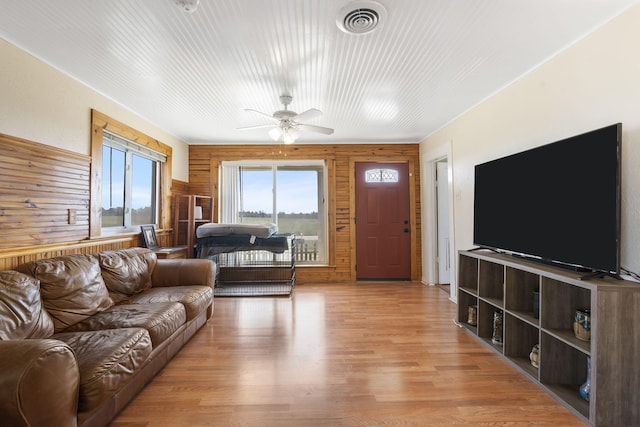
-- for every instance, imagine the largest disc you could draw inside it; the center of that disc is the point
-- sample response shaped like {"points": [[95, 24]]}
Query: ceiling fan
{"points": [[287, 124]]}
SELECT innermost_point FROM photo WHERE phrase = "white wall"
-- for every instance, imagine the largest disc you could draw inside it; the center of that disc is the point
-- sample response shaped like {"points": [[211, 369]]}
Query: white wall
{"points": [[594, 83], [41, 104]]}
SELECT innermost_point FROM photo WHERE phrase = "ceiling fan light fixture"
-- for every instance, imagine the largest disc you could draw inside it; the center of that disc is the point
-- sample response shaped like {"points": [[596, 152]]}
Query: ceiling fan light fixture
{"points": [[290, 136], [275, 133], [294, 133], [287, 126]]}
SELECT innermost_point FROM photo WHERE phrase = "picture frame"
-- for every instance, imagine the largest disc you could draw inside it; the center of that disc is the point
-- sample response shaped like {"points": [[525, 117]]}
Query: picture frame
{"points": [[149, 236]]}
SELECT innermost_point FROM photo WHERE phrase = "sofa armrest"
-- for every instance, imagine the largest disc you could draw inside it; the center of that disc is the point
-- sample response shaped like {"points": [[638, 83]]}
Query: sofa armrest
{"points": [[183, 272], [39, 382]]}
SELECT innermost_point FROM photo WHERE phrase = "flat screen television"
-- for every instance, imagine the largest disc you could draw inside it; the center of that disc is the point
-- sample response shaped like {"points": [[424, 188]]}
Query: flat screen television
{"points": [[557, 203]]}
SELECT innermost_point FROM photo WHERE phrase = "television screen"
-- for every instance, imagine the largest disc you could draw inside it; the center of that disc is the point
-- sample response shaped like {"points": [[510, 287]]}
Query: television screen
{"points": [[558, 203]]}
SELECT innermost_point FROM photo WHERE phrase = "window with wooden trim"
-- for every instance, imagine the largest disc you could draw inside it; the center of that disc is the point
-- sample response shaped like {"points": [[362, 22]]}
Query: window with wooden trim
{"points": [[130, 183], [130, 178]]}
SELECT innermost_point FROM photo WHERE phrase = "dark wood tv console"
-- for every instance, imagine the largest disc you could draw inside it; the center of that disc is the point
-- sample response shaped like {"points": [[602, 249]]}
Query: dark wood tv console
{"points": [[497, 282]]}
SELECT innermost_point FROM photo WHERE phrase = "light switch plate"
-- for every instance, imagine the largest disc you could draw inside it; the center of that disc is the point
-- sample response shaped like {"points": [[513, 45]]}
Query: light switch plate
{"points": [[72, 216]]}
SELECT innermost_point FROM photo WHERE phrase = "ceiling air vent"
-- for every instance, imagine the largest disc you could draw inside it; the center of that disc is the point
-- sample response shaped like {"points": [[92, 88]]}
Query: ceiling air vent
{"points": [[361, 17]]}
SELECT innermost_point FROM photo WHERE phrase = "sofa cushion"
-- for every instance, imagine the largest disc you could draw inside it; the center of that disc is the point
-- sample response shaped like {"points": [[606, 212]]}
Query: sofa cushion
{"points": [[21, 312], [194, 298], [127, 272], [160, 319], [107, 360], [71, 286]]}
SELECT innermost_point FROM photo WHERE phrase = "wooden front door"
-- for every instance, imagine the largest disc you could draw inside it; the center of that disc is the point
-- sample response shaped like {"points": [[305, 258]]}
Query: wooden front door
{"points": [[383, 240]]}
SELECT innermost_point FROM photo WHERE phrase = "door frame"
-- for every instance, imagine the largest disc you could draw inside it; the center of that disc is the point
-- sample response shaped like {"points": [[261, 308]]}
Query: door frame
{"points": [[443, 256], [414, 228], [428, 160]]}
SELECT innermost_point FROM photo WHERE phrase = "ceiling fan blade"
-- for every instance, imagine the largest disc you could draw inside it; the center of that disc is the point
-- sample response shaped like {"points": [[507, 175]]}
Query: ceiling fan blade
{"points": [[314, 128], [269, 116], [255, 127], [311, 113]]}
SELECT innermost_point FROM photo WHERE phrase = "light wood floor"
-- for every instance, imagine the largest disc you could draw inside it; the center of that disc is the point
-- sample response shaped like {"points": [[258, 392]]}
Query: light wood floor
{"points": [[358, 354]]}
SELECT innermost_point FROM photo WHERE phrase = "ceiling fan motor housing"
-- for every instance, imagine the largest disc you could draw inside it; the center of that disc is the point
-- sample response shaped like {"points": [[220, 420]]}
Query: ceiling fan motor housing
{"points": [[284, 114]]}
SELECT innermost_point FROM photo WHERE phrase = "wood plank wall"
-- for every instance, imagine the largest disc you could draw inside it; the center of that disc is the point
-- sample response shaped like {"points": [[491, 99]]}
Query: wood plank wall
{"points": [[39, 187], [12, 258], [204, 163], [39, 184]]}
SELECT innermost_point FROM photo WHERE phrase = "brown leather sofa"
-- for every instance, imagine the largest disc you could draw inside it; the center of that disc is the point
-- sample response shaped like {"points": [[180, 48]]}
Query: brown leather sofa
{"points": [[81, 335]]}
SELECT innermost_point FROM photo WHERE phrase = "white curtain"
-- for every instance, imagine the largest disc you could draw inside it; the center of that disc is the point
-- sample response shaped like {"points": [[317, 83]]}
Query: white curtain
{"points": [[230, 197]]}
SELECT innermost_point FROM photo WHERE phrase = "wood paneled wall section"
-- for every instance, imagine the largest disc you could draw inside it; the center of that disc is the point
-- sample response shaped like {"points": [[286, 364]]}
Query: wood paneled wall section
{"points": [[38, 186], [11, 258], [204, 162], [179, 188]]}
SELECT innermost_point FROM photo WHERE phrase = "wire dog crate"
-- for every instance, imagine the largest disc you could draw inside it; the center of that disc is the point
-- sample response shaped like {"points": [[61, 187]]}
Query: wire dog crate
{"points": [[251, 270]]}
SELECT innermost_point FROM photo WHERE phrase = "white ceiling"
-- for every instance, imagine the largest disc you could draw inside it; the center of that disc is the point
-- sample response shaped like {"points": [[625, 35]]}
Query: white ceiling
{"points": [[193, 74]]}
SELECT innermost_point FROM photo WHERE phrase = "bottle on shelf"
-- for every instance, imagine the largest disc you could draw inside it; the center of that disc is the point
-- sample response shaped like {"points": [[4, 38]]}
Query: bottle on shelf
{"points": [[496, 338], [585, 389]]}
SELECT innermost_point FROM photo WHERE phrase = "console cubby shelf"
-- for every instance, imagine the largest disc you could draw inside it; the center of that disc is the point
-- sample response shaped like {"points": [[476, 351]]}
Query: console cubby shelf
{"points": [[498, 282]]}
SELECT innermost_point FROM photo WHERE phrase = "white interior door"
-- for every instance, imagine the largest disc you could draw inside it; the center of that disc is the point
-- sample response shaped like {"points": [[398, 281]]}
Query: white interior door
{"points": [[442, 201]]}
